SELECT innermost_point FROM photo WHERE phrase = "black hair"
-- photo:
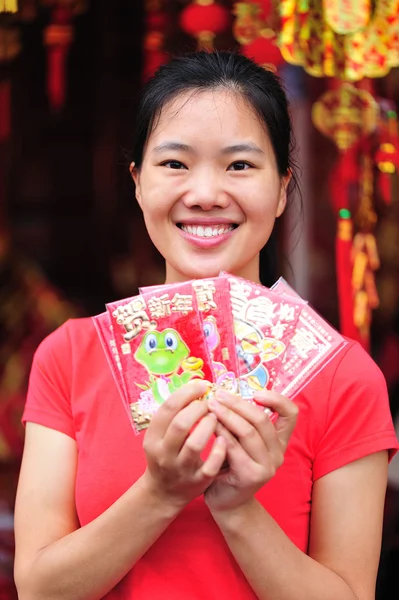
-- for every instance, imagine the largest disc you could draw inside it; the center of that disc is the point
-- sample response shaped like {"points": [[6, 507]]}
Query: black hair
{"points": [[261, 88]]}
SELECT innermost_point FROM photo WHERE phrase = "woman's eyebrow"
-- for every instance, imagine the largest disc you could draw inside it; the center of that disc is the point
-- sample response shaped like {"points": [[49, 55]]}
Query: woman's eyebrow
{"points": [[245, 147], [166, 146]]}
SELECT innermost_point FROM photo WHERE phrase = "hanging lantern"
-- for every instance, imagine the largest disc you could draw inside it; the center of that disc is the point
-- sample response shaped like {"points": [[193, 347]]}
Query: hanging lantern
{"points": [[58, 37], [247, 24], [8, 6], [157, 23], [264, 50], [345, 115], [204, 20]]}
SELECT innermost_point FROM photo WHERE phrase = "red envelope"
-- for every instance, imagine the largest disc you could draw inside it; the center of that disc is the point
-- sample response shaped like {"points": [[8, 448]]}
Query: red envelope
{"points": [[264, 323], [314, 343]]}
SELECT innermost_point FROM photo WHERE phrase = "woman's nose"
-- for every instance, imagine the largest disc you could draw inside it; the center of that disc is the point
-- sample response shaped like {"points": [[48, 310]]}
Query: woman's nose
{"points": [[206, 192]]}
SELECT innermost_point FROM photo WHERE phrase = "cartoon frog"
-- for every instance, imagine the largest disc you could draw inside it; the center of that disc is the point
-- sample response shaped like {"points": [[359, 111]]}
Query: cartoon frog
{"points": [[163, 354]]}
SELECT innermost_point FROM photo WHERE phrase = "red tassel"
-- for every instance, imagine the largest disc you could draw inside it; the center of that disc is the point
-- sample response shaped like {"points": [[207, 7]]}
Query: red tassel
{"points": [[58, 38], [343, 250]]}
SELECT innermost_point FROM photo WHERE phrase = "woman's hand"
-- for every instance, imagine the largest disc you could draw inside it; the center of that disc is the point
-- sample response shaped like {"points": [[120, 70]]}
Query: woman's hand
{"points": [[178, 433], [255, 446]]}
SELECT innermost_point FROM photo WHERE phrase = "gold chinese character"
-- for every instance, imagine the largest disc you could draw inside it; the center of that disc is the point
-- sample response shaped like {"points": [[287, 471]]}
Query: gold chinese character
{"points": [[133, 318], [182, 303], [159, 306], [205, 295]]}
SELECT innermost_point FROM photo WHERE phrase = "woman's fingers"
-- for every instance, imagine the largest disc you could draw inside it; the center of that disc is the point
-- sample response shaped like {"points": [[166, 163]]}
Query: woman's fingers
{"points": [[286, 409], [215, 459], [172, 406], [197, 440], [181, 426], [250, 425]]}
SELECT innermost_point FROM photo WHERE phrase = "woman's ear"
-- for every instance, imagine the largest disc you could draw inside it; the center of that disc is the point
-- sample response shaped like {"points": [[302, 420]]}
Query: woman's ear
{"points": [[282, 203], [135, 174]]}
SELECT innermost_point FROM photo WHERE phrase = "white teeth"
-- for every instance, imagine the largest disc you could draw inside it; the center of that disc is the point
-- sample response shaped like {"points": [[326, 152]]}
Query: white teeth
{"points": [[201, 231]]}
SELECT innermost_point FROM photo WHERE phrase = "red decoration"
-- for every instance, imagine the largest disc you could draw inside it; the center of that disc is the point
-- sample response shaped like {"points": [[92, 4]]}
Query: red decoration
{"points": [[58, 37], [204, 20], [157, 22], [264, 50], [5, 110]]}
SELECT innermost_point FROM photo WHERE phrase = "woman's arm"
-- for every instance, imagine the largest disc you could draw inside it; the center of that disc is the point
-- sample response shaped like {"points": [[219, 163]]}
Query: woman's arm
{"points": [[57, 559], [345, 539]]}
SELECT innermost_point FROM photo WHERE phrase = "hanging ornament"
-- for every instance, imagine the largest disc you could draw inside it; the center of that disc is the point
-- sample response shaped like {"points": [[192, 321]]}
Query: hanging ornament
{"points": [[10, 47], [247, 24], [264, 50], [387, 152], [345, 115], [343, 254], [252, 29], [157, 23], [58, 37], [347, 17], [335, 38], [204, 20], [8, 6]]}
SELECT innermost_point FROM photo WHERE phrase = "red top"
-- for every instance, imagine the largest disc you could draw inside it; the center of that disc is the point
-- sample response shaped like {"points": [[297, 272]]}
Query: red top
{"points": [[344, 415]]}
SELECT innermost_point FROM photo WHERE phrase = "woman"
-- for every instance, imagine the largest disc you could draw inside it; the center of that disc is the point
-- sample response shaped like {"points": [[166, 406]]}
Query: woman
{"points": [[102, 513]]}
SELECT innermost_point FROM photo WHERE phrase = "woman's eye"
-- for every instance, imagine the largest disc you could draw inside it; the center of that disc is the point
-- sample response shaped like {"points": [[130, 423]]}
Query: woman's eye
{"points": [[239, 165], [174, 164]]}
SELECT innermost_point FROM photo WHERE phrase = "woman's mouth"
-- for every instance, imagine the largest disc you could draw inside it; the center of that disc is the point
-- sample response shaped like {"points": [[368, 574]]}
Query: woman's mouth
{"points": [[207, 236], [207, 231]]}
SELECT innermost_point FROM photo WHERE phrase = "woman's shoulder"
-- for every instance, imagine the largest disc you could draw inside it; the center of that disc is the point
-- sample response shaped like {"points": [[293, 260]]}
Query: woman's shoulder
{"points": [[352, 369], [74, 335]]}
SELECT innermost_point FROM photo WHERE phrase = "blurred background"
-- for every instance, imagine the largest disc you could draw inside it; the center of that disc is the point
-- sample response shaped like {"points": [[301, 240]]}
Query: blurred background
{"points": [[71, 234]]}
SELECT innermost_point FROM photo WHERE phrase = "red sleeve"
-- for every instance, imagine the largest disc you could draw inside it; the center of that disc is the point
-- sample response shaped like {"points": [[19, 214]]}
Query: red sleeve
{"points": [[358, 417], [48, 399]]}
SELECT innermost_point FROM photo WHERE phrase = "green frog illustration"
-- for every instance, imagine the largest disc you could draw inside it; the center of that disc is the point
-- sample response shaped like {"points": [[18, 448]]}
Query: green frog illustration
{"points": [[164, 354]]}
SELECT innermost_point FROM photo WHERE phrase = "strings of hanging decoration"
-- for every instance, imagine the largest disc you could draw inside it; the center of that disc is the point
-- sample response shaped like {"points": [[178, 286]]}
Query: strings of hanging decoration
{"points": [[58, 37], [337, 38], [351, 43], [156, 25], [255, 29], [204, 20], [364, 130]]}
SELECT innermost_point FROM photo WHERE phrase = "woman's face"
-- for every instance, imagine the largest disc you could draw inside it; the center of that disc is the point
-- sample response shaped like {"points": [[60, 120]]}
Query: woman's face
{"points": [[209, 187]]}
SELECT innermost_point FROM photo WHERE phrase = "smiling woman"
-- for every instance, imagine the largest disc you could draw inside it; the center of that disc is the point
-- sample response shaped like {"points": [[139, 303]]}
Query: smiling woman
{"points": [[215, 500]]}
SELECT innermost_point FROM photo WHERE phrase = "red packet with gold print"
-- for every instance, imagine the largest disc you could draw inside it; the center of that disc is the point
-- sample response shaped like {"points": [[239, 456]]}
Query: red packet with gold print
{"points": [[161, 346], [213, 302], [264, 323], [314, 343]]}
